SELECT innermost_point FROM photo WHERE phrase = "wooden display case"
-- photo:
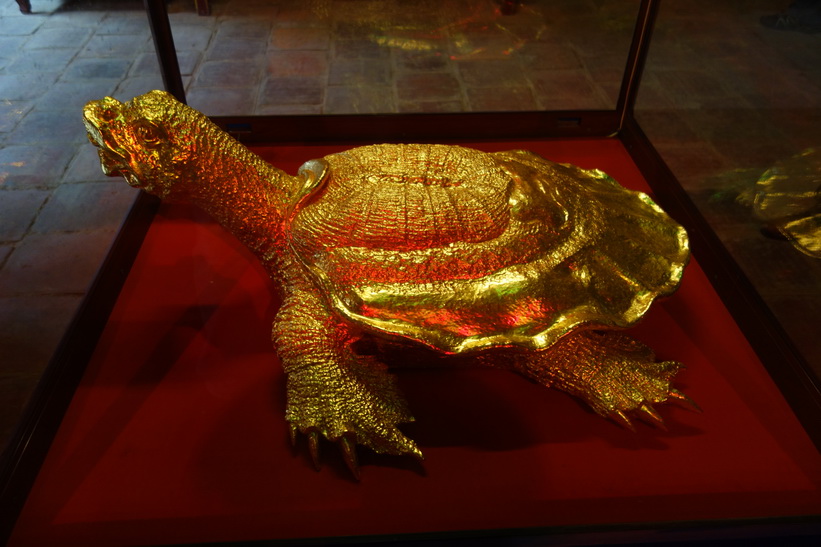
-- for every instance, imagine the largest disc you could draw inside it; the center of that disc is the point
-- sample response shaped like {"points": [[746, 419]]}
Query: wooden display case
{"points": [[160, 420]]}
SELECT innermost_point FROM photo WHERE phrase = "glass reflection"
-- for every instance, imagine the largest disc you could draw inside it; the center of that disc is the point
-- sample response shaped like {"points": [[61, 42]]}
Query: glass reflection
{"points": [[733, 104], [788, 199], [384, 56]]}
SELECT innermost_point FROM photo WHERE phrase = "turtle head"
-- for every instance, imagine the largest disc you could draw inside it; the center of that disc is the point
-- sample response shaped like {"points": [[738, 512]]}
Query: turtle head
{"points": [[151, 140]]}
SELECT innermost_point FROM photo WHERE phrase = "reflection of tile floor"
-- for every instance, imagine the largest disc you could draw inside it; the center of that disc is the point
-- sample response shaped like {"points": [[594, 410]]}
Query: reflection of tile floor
{"points": [[58, 213], [325, 56]]}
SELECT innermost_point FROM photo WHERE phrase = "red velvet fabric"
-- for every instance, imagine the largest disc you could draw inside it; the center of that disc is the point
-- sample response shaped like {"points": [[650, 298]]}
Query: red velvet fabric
{"points": [[176, 433]]}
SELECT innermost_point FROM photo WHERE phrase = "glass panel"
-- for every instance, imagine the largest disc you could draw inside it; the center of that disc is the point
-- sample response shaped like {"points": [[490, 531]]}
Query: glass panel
{"points": [[58, 212], [731, 98], [385, 56]]}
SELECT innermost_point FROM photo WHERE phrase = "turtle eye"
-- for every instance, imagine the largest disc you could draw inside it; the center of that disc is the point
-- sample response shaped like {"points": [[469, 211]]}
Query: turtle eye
{"points": [[148, 134], [108, 114]]}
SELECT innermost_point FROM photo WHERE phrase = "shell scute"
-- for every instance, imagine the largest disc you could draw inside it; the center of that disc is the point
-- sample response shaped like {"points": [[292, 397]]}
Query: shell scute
{"points": [[400, 199]]}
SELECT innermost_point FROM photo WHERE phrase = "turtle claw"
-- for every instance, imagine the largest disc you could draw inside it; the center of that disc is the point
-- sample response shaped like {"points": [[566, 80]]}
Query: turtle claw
{"points": [[650, 415], [677, 395], [348, 445], [313, 448], [621, 418]]}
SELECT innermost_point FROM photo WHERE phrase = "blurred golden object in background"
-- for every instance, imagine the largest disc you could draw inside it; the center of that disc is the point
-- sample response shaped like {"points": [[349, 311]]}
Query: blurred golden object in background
{"points": [[788, 199]]}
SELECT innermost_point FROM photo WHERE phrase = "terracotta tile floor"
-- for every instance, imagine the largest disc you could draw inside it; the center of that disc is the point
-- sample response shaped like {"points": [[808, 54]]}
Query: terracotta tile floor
{"points": [[723, 99]]}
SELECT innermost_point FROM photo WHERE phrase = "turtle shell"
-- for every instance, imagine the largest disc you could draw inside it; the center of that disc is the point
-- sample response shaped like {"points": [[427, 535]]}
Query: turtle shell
{"points": [[462, 250]]}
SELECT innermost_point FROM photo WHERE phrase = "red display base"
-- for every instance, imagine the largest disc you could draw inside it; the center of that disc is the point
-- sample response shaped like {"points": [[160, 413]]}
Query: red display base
{"points": [[176, 433]]}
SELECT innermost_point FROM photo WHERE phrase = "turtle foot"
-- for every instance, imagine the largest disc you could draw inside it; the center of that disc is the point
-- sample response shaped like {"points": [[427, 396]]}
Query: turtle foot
{"points": [[617, 376], [333, 391], [354, 404]]}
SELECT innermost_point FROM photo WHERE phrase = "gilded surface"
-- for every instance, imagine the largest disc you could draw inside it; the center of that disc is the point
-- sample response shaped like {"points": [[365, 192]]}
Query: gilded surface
{"points": [[788, 197], [505, 260]]}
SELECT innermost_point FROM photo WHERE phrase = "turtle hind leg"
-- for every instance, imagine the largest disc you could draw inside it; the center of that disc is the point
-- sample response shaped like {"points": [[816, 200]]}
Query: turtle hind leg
{"points": [[332, 391], [616, 375]]}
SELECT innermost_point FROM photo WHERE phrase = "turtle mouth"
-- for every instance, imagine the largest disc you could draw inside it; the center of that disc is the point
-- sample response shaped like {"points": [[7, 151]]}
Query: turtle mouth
{"points": [[100, 118]]}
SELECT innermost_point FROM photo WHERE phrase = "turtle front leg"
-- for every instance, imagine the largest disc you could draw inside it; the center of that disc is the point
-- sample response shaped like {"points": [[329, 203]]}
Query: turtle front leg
{"points": [[332, 391], [616, 375]]}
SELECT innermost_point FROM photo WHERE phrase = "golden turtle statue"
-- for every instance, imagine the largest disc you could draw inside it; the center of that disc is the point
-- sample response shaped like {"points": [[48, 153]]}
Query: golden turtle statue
{"points": [[495, 259]]}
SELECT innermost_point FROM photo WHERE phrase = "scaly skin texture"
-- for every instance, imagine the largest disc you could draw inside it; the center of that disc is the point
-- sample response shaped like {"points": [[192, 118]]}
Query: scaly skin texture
{"points": [[505, 260]]}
